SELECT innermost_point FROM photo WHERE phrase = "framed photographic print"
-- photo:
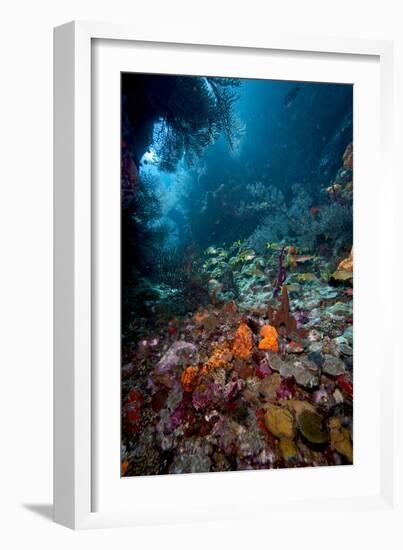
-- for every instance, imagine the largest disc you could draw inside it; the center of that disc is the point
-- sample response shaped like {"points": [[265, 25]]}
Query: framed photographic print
{"points": [[236, 300], [219, 236]]}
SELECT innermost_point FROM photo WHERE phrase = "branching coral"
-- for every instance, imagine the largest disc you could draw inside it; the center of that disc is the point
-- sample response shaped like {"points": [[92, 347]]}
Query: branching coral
{"points": [[220, 357], [140, 212], [224, 96], [179, 269], [142, 235], [259, 201], [299, 222]]}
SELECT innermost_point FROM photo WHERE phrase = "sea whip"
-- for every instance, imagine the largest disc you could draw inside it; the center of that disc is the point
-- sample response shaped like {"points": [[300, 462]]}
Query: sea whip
{"points": [[282, 273]]}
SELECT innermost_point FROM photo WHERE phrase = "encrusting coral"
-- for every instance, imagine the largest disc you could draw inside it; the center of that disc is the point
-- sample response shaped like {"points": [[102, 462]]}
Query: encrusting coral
{"points": [[190, 378], [220, 357], [279, 422], [193, 375]]}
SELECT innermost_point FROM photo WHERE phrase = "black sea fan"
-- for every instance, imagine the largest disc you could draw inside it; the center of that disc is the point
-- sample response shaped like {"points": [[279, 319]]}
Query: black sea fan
{"points": [[179, 269], [177, 115]]}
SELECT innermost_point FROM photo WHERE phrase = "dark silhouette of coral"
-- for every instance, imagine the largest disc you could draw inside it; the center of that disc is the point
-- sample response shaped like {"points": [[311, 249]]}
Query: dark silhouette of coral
{"points": [[178, 268], [179, 115], [282, 273]]}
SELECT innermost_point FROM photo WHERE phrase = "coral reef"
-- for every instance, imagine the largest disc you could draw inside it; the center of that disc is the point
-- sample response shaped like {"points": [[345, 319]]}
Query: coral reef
{"points": [[255, 382], [237, 288]]}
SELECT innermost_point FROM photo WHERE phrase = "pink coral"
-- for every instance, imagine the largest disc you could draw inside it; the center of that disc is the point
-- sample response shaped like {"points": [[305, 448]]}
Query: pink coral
{"points": [[286, 390]]}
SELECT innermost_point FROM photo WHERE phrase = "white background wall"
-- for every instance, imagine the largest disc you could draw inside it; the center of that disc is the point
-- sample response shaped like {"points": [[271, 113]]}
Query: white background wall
{"points": [[26, 263]]}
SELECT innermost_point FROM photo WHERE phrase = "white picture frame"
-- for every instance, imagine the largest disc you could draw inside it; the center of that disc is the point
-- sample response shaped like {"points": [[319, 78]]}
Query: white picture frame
{"points": [[77, 387]]}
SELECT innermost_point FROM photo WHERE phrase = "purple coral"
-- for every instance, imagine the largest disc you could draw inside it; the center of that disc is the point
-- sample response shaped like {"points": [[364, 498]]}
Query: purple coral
{"points": [[181, 414], [233, 387], [202, 399], [286, 389], [207, 396], [281, 274]]}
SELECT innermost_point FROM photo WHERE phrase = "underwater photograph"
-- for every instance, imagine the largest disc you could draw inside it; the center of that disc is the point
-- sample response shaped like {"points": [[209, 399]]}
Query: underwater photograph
{"points": [[236, 274]]}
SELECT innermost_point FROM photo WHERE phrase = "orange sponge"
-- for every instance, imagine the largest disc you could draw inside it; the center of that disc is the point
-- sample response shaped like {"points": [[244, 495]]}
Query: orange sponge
{"points": [[270, 338], [189, 378], [243, 342]]}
